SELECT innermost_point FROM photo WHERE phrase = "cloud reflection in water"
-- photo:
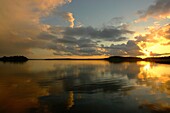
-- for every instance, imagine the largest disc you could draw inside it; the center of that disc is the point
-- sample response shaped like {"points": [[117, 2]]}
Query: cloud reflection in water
{"points": [[84, 86]]}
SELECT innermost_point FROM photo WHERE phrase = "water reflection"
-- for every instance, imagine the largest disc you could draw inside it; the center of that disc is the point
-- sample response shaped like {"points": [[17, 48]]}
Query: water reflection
{"points": [[157, 77], [70, 99], [84, 86]]}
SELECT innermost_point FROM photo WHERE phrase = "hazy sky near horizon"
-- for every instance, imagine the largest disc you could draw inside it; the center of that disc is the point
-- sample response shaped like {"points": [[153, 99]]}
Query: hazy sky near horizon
{"points": [[77, 28]]}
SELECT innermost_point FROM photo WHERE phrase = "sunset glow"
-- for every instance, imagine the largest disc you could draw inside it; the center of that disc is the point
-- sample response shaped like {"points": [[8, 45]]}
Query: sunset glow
{"points": [[73, 28], [84, 56], [156, 42], [156, 73]]}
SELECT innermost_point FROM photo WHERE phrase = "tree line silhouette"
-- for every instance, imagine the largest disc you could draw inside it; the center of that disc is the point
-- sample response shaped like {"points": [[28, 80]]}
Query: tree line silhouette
{"points": [[14, 59]]}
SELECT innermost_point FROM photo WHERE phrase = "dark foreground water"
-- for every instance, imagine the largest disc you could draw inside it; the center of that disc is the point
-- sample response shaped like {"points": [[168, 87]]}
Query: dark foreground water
{"points": [[84, 87]]}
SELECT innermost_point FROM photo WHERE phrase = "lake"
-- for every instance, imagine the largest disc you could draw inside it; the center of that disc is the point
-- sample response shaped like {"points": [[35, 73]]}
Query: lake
{"points": [[40, 86]]}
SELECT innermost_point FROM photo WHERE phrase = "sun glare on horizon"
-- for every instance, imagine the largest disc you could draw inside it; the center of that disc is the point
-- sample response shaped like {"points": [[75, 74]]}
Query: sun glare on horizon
{"points": [[147, 53]]}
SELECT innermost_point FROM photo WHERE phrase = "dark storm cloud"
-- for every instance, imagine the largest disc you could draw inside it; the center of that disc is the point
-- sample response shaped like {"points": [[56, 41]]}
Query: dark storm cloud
{"points": [[120, 49], [79, 42], [160, 9], [107, 34], [69, 45], [89, 41], [73, 46], [46, 36], [67, 40], [128, 49]]}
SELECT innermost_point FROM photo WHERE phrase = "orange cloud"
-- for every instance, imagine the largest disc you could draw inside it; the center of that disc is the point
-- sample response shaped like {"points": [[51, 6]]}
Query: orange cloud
{"points": [[156, 41], [159, 10], [69, 16], [20, 24]]}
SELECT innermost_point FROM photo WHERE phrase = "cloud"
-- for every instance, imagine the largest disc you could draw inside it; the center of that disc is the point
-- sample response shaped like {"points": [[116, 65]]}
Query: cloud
{"points": [[69, 16], [86, 41], [116, 20], [20, 24], [107, 34], [159, 10], [156, 41], [70, 45], [21, 32], [155, 34], [157, 54], [129, 49]]}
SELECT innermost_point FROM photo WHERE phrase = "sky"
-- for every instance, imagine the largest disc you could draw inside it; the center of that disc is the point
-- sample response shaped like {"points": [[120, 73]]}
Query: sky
{"points": [[84, 28]]}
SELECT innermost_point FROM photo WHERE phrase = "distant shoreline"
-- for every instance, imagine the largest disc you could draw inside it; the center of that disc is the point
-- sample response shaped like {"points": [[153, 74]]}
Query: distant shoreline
{"points": [[112, 59], [118, 59], [18, 59]]}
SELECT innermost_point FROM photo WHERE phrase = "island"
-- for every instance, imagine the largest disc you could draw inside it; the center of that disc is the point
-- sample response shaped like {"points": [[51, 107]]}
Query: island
{"points": [[118, 59], [14, 59], [163, 60], [111, 59]]}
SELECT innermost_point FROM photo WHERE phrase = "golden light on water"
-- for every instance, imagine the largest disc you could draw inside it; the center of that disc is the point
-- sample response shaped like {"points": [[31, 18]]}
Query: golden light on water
{"points": [[147, 66], [70, 102], [154, 72], [66, 78]]}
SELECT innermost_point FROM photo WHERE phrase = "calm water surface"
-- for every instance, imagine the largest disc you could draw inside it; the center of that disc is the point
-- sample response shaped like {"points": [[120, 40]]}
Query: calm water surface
{"points": [[84, 87]]}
